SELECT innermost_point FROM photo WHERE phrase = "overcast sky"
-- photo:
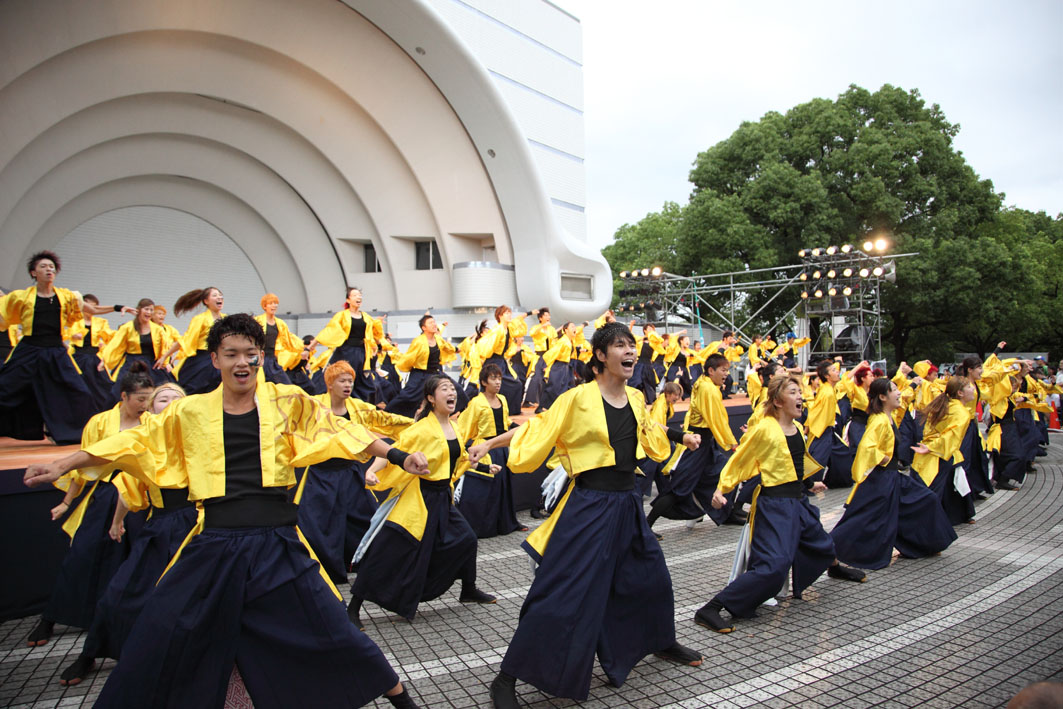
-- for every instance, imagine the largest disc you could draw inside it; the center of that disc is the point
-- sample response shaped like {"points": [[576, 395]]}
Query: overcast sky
{"points": [[665, 80]]}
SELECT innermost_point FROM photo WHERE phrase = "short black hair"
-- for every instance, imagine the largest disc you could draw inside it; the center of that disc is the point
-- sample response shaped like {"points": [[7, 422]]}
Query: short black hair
{"points": [[237, 324], [488, 371], [822, 369], [603, 338], [715, 361], [424, 319], [40, 256], [542, 312]]}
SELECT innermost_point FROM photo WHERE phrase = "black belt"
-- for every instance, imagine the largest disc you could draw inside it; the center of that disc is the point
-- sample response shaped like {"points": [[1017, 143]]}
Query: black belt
{"points": [[793, 490], [42, 340], [443, 484], [253, 511], [606, 480], [86, 349], [173, 499]]}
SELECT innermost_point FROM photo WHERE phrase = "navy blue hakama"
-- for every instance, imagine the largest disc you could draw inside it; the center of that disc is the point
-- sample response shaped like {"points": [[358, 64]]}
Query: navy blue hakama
{"points": [[694, 480], [512, 389], [354, 355], [840, 471], [397, 572], [198, 374], [644, 379], [487, 500], [97, 381], [252, 596], [958, 508], [409, 398], [786, 533], [1009, 463], [975, 461], [559, 382], [334, 512], [889, 511], [43, 381], [603, 587], [273, 371], [158, 376]]}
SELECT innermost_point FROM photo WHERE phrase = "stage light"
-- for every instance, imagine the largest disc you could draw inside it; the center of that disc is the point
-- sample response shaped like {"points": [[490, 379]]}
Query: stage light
{"points": [[657, 271], [623, 274], [881, 244], [831, 250], [801, 253], [846, 248], [645, 272], [816, 275], [877, 271], [847, 291], [815, 252], [831, 273], [868, 246], [819, 293], [642, 305], [804, 295], [803, 276], [864, 273], [847, 273], [833, 291]]}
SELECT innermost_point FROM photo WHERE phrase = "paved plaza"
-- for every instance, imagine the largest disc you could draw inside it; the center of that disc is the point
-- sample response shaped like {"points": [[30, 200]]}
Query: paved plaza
{"points": [[969, 628]]}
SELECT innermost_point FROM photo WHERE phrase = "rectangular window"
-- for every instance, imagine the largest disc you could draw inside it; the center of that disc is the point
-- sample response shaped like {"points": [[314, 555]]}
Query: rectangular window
{"points": [[372, 263], [428, 257], [577, 287]]}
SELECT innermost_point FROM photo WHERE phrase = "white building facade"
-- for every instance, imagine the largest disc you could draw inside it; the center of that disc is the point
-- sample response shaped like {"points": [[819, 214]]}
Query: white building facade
{"points": [[428, 151]]}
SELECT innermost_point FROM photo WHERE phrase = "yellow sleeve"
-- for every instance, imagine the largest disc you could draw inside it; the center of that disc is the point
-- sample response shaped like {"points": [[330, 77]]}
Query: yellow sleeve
{"points": [[652, 435], [537, 436], [822, 413], [150, 452], [876, 444], [376, 420], [710, 406], [334, 334], [414, 355], [476, 422], [134, 492], [290, 347], [113, 354], [745, 463], [447, 351], [320, 434]]}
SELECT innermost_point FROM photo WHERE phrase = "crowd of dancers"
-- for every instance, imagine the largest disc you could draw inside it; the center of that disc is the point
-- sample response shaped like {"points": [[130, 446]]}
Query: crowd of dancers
{"points": [[229, 477]]}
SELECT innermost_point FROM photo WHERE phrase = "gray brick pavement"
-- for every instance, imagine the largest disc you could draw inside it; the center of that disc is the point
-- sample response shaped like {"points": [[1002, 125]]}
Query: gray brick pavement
{"points": [[969, 628]]}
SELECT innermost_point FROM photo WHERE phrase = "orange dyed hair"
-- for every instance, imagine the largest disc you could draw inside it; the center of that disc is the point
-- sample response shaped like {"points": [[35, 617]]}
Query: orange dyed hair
{"points": [[269, 298], [334, 370]]}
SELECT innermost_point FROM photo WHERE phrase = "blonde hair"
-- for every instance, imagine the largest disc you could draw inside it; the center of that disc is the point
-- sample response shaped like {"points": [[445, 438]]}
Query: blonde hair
{"points": [[172, 386], [776, 386]]}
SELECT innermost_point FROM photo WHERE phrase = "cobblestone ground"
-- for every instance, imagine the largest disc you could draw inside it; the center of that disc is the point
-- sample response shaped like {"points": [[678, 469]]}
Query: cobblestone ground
{"points": [[969, 628]]}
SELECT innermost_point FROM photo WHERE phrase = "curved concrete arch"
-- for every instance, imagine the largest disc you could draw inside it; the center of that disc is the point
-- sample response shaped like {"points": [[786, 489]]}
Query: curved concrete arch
{"points": [[208, 202], [256, 54], [214, 163]]}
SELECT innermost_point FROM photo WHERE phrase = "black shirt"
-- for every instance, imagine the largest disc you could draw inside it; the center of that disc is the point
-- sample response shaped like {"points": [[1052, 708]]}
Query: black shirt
{"points": [[680, 360], [623, 435], [47, 329], [433, 359], [271, 340], [85, 345], [357, 335], [246, 503], [454, 448], [146, 345], [497, 413], [646, 353], [796, 444]]}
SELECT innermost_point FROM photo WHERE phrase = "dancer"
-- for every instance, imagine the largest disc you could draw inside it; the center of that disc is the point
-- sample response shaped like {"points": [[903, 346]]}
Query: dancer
{"points": [[283, 348], [785, 530], [602, 582], [855, 385], [39, 377], [244, 589], [649, 348], [822, 415], [676, 360], [424, 544], [426, 356], [885, 509], [543, 336], [494, 345], [93, 558], [354, 335], [139, 340], [335, 506], [172, 518], [487, 498], [195, 372], [944, 422], [973, 449], [651, 471], [1004, 440], [788, 351], [558, 366], [87, 337], [696, 474], [158, 316]]}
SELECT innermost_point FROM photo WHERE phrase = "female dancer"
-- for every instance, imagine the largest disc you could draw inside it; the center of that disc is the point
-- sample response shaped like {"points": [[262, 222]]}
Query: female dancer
{"points": [[39, 376], [195, 372], [785, 530], [558, 366], [652, 471], [93, 557], [944, 423], [335, 507], [649, 348], [354, 334], [973, 449], [885, 509], [158, 316], [543, 336], [139, 340], [172, 518], [677, 359], [855, 384], [283, 348], [425, 544], [487, 498], [493, 347], [1004, 440], [602, 582], [426, 356], [822, 414], [87, 337]]}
